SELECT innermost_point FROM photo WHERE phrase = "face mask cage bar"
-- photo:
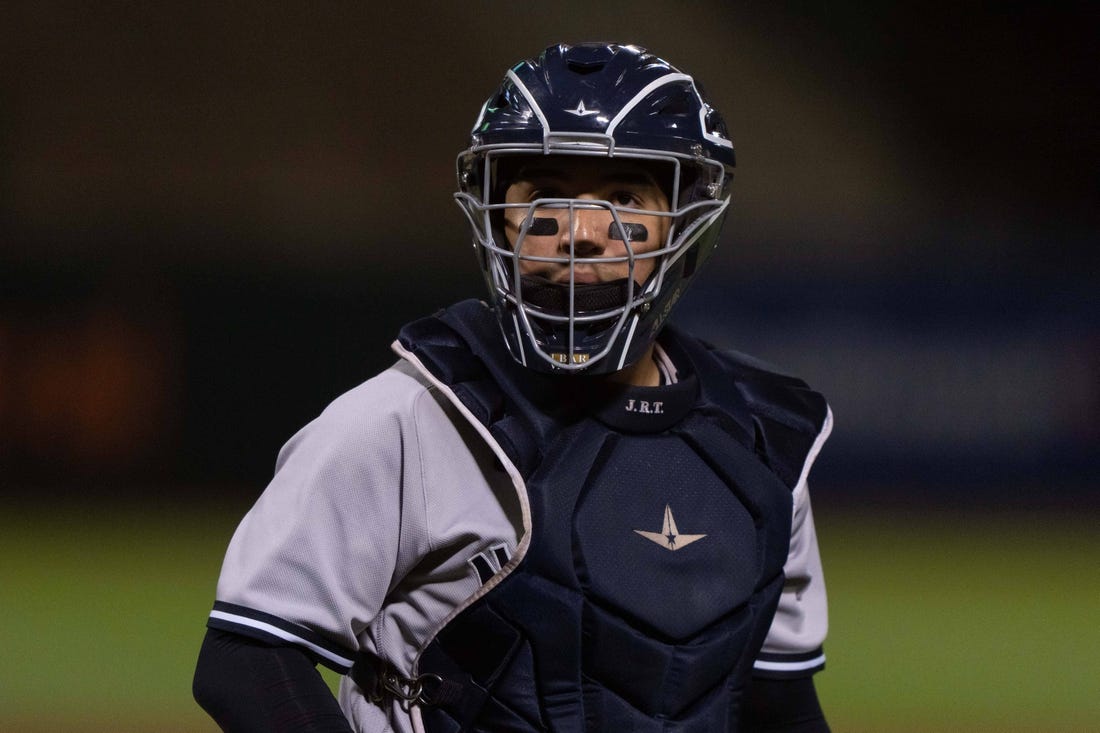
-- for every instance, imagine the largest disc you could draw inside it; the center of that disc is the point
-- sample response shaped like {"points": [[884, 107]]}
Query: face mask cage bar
{"points": [[576, 339]]}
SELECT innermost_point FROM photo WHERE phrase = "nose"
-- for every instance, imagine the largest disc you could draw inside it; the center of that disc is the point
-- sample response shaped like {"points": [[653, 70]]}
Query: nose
{"points": [[588, 235]]}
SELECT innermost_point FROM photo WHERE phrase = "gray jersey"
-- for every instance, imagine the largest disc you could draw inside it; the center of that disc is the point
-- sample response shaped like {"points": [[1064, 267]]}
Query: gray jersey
{"points": [[379, 524]]}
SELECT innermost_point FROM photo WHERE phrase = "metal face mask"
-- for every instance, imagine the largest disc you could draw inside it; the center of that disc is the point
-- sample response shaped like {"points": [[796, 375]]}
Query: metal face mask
{"points": [[595, 186]]}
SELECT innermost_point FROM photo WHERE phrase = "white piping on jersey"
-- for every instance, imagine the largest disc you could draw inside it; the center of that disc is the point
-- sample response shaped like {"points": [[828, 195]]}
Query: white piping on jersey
{"points": [[416, 718], [665, 365], [826, 429], [798, 666], [534, 108], [284, 635], [509, 468]]}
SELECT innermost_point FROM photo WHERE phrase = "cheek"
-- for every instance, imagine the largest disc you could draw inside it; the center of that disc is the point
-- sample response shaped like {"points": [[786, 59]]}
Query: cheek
{"points": [[656, 234], [535, 246], [643, 269], [540, 246], [660, 228]]}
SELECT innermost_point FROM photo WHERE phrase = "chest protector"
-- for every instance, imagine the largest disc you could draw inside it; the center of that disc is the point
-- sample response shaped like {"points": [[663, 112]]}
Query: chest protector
{"points": [[660, 524]]}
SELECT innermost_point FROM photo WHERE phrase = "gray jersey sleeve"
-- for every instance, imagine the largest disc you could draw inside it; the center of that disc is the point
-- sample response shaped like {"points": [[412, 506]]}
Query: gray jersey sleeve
{"points": [[793, 647], [362, 536]]}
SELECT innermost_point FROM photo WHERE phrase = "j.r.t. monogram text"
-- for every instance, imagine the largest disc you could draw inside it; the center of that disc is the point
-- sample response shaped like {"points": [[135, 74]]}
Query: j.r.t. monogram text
{"points": [[645, 406]]}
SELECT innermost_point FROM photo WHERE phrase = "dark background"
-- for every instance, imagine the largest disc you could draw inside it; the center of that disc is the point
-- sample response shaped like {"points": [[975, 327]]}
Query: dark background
{"points": [[214, 217]]}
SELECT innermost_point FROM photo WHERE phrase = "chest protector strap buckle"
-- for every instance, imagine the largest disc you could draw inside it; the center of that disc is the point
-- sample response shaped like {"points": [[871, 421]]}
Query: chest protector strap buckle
{"points": [[380, 681]]}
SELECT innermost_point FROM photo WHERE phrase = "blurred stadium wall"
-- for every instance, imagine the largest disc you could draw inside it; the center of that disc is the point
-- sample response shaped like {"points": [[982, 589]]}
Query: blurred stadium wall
{"points": [[214, 218]]}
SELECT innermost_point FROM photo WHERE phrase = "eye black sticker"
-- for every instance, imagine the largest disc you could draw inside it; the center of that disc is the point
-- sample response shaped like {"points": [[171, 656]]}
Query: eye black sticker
{"points": [[542, 226], [634, 232]]}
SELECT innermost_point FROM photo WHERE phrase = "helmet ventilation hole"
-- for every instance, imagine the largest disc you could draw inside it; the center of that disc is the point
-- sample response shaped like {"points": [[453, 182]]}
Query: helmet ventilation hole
{"points": [[677, 105], [585, 67]]}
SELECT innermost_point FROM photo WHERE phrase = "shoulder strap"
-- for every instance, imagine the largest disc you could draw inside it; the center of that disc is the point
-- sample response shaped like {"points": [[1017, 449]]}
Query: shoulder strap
{"points": [[462, 346], [781, 413]]}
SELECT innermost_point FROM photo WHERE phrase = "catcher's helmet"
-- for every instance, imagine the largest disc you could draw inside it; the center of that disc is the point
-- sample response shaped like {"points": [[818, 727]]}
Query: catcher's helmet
{"points": [[604, 101]]}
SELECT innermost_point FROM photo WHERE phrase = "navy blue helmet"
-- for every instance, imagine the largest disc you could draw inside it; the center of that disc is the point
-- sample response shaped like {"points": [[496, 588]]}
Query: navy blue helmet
{"points": [[595, 102]]}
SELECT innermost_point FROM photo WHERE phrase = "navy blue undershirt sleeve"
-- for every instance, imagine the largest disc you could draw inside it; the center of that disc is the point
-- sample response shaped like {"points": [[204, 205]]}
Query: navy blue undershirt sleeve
{"points": [[782, 706], [248, 686]]}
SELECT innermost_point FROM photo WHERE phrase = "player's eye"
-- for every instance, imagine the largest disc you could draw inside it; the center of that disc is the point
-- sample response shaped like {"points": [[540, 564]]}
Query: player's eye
{"points": [[626, 198]]}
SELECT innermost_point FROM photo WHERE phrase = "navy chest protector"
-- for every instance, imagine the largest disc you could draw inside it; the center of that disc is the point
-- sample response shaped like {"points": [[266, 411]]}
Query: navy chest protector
{"points": [[660, 524]]}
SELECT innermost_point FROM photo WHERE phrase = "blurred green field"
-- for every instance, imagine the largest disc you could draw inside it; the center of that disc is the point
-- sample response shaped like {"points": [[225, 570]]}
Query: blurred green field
{"points": [[945, 622]]}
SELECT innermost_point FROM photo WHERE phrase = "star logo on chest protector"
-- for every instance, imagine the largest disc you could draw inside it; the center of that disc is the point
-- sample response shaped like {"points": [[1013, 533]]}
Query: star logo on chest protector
{"points": [[669, 537]]}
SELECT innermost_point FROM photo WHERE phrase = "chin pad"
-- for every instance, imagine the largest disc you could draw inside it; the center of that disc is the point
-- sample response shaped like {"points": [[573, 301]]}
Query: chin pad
{"points": [[554, 297]]}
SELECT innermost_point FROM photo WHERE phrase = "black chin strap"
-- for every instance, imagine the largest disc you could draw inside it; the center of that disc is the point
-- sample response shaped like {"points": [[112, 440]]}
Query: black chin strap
{"points": [[552, 296]]}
